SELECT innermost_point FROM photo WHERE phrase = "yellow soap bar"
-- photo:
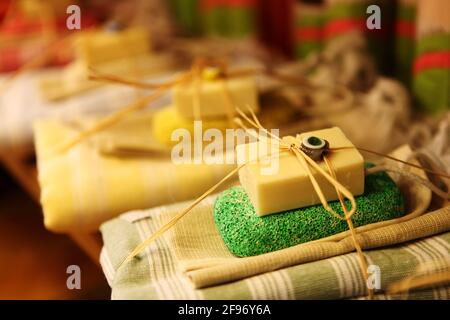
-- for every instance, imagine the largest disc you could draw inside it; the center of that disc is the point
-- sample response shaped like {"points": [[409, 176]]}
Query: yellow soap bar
{"points": [[288, 185], [213, 102], [98, 47], [167, 120]]}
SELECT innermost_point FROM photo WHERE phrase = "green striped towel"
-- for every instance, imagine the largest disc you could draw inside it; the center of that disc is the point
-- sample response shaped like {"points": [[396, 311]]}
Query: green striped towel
{"points": [[157, 274]]}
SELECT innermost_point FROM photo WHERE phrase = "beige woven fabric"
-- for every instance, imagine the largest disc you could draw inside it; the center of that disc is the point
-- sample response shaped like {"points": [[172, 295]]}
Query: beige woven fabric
{"points": [[202, 255], [235, 269], [157, 275]]}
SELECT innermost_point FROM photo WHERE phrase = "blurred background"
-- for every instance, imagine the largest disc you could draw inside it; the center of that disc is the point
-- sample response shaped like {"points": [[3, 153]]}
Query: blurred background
{"points": [[384, 86]]}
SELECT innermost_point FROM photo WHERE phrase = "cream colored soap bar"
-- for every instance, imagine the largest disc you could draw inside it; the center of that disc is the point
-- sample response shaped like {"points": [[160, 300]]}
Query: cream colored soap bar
{"points": [[213, 102], [98, 47], [290, 187]]}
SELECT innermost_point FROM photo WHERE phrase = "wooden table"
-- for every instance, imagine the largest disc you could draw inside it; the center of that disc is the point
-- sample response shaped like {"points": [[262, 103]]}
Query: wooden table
{"points": [[23, 168]]}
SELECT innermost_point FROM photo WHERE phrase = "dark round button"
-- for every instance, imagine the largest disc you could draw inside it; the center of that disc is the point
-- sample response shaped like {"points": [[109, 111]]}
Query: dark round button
{"points": [[314, 147]]}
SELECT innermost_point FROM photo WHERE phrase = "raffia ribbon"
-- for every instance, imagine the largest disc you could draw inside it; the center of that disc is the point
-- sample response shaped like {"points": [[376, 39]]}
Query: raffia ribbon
{"points": [[284, 146], [161, 88], [221, 269], [193, 76], [306, 162]]}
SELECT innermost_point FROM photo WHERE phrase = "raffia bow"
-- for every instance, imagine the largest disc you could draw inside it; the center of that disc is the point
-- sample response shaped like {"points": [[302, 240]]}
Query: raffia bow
{"points": [[194, 75], [191, 76], [306, 162]]}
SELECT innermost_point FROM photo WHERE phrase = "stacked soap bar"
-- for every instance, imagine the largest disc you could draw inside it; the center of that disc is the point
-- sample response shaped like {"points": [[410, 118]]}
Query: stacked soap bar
{"points": [[213, 102], [289, 186], [99, 47], [113, 52], [217, 99]]}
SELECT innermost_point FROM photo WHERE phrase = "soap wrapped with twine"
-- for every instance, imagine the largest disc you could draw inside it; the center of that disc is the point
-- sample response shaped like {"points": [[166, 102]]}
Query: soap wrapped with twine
{"points": [[284, 146], [207, 262], [306, 161]]}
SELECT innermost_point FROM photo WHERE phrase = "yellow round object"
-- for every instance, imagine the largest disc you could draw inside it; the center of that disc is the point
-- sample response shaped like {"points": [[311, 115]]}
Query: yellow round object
{"points": [[168, 119], [211, 73]]}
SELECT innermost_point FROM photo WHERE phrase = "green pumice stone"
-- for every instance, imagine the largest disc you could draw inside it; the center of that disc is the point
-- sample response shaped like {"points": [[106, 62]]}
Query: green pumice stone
{"points": [[247, 234]]}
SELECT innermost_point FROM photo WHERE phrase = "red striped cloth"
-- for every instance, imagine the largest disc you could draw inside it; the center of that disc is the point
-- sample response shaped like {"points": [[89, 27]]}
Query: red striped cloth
{"points": [[308, 33], [432, 60], [341, 26], [24, 35], [14, 57], [22, 25]]}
